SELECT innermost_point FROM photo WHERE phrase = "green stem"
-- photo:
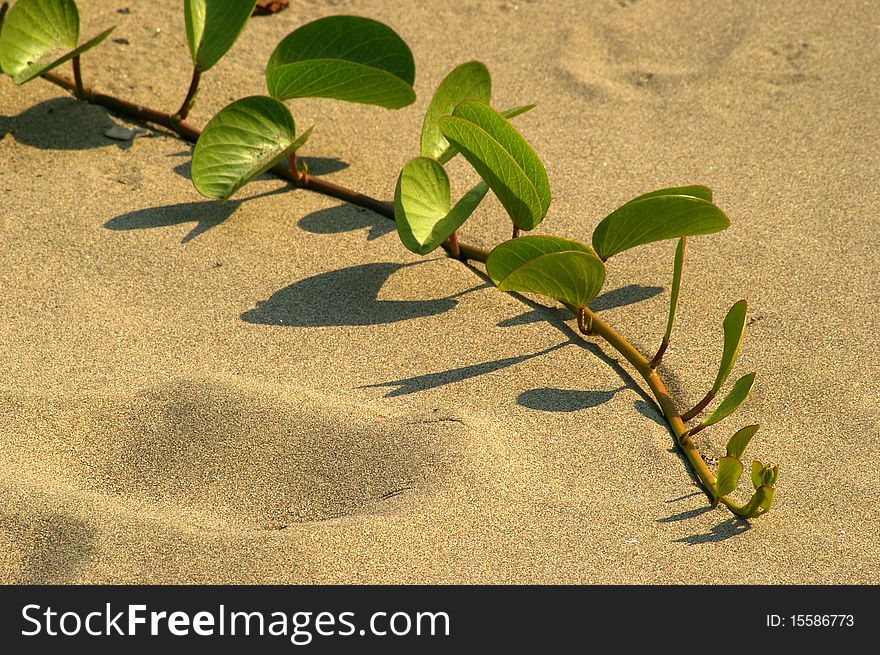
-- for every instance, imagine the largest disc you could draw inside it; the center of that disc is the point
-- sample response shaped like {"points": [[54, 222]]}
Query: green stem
{"points": [[643, 366]]}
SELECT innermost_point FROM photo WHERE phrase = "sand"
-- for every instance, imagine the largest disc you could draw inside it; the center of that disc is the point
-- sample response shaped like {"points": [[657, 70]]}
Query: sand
{"points": [[275, 390]]}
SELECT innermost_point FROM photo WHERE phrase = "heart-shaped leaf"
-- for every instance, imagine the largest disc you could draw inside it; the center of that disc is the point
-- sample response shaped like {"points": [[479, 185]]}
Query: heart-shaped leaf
{"points": [[451, 151], [212, 26], [36, 37], [343, 57], [470, 81], [422, 205], [549, 266], [729, 471], [503, 159], [244, 140], [662, 214], [737, 395], [739, 441]]}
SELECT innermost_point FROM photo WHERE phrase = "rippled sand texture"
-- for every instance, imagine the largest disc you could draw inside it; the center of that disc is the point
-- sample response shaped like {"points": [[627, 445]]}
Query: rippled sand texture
{"points": [[275, 390]]}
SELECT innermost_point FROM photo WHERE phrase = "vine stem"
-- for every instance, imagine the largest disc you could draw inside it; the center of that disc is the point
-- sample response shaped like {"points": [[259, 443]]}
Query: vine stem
{"points": [[588, 321], [78, 89], [190, 98]]}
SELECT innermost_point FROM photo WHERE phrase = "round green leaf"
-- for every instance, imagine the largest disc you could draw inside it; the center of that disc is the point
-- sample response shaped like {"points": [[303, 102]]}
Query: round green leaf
{"points": [[36, 37], [212, 26], [244, 140], [549, 266], [656, 216], [503, 159], [422, 205], [739, 441], [729, 471], [343, 57], [695, 190], [737, 395], [470, 81], [734, 330]]}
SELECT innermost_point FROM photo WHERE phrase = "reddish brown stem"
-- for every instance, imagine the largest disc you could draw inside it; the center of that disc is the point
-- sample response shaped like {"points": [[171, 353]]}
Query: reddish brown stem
{"points": [[515, 231], [78, 88], [190, 98], [454, 246]]}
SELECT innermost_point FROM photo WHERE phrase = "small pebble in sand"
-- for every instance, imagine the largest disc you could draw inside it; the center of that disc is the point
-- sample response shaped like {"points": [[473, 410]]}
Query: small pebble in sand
{"points": [[119, 133]]}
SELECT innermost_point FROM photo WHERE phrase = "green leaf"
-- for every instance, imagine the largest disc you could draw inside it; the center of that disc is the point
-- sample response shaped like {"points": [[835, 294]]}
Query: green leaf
{"points": [[739, 441], [677, 267], [549, 266], [451, 151], [729, 471], [732, 401], [422, 205], [655, 216], [36, 35], [212, 26], [244, 140], [734, 329], [470, 81], [695, 190], [503, 158], [343, 57], [757, 474]]}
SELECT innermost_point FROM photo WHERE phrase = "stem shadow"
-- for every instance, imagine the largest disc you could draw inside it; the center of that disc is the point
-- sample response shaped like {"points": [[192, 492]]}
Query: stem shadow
{"points": [[405, 386]]}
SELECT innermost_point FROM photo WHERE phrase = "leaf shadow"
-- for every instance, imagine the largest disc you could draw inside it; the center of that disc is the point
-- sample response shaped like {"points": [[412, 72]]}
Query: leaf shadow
{"points": [[417, 383], [732, 527], [205, 214], [684, 516], [623, 296], [549, 399], [346, 218], [345, 297], [62, 124]]}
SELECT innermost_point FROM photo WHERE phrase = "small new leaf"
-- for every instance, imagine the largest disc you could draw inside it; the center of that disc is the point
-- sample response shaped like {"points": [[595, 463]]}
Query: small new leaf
{"points": [[663, 214], [422, 205], [343, 57], [212, 27], [37, 35], [757, 474], [503, 159], [737, 395], [244, 140], [740, 440], [558, 268], [729, 471]]}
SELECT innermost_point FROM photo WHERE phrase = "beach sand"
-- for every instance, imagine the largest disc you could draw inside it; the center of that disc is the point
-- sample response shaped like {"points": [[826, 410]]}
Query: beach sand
{"points": [[275, 390]]}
